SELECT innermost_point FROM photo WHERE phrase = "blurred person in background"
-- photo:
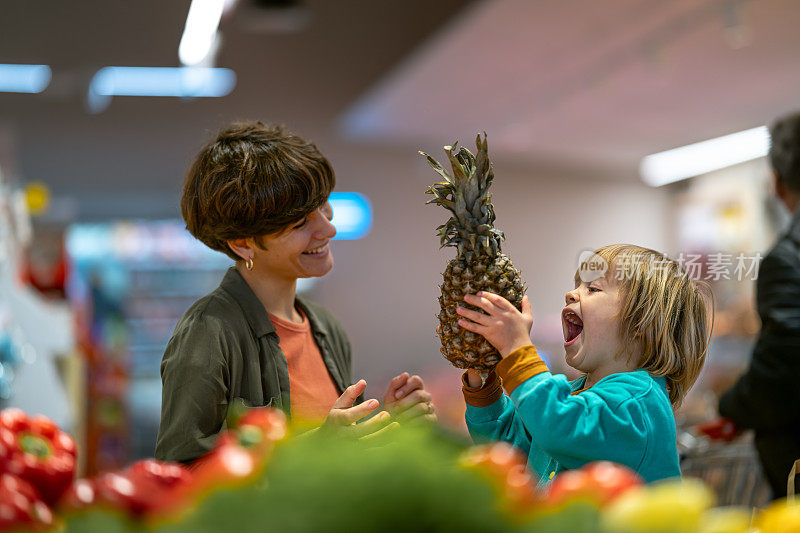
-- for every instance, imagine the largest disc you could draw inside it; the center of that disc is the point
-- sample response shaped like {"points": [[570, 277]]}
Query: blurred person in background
{"points": [[260, 195], [766, 398]]}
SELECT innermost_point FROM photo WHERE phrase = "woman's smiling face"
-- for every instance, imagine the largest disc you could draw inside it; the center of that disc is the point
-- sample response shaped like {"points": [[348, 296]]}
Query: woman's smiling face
{"points": [[590, 322], [302, 251]]}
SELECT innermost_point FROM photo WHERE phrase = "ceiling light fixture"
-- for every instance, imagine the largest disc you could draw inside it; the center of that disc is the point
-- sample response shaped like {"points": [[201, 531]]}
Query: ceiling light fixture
{"points": [[185, 82], [703, 157], [24, 78], [200, 33]]}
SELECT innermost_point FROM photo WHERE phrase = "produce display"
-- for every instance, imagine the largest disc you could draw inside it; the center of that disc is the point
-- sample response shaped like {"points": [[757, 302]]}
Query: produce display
{"points": [[35, 450], [479, 263], [21, 505], [261, 477]]}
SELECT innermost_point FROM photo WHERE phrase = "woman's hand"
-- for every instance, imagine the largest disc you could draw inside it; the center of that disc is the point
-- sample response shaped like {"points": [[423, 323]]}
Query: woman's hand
{"points": [[408, 400], [343, 416], [502, 325]]}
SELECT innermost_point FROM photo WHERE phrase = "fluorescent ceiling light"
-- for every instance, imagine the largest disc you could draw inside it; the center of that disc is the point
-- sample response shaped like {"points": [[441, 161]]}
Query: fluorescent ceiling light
{"points": [[200, 31], [24, 78], [186, 82], [703, 157], [164, 81], [352, 214]]}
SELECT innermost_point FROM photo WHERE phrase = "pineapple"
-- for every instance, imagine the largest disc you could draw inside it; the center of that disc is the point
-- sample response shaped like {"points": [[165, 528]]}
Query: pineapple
{"points": [[479, 263]]}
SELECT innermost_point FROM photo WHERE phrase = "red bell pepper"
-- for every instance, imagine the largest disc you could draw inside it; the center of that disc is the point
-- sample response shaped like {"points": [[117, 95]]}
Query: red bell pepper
{"points": [[271, 421], [260, 428], [255, 433], [20, 506], [81, 495], [719, 429], [238, 456], [143, 488], [35, 450], [228, 463]]}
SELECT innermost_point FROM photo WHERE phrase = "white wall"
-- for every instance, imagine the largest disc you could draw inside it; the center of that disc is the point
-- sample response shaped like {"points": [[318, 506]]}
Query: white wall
{"points": [[384, 287]]}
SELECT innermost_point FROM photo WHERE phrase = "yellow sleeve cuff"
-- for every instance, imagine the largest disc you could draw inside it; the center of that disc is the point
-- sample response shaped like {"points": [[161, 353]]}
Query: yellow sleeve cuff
{"points": [[484, 396], [519, 366]]}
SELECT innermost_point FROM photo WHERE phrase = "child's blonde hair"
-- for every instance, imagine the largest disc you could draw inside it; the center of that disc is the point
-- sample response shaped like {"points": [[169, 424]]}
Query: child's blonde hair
{"points": [[666, 318]]}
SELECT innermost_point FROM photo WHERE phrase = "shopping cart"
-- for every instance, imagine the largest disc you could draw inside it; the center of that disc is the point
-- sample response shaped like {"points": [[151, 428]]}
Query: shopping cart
{"points": [[731, 469]]}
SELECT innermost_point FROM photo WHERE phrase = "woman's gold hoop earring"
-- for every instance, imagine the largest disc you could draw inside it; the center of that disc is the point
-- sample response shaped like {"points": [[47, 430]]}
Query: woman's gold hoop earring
{"points": [[249, 263]]}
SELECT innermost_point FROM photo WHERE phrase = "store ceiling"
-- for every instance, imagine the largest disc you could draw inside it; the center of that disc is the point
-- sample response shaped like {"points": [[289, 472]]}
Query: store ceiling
{"points": [[140, 146], [576, 83], [594, 83]]}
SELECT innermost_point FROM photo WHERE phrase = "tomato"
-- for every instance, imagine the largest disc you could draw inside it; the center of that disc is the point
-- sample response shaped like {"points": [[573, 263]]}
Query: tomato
{"points": [[497, 458], [505, 467], [600, 482], [612, 479], [572, 485]]}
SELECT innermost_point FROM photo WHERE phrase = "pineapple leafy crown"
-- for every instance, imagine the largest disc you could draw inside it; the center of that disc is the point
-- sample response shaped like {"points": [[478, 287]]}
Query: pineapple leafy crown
{"points": [[465, 194]]}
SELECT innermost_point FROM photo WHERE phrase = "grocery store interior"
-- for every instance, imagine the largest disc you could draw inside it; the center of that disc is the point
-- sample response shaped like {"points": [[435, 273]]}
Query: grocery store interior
{"points": [[103, 105]]}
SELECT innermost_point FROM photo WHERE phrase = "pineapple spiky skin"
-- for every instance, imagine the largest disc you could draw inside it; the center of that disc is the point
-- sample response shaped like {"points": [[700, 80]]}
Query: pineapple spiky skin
{"points": [[465, 349], [479, 264]]}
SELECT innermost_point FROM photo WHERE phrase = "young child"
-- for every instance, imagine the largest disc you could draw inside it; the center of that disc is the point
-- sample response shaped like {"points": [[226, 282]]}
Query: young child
{"points": [[641, 341]]}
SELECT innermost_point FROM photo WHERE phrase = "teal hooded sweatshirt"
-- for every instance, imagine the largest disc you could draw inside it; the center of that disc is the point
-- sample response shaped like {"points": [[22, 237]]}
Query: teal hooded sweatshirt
{"points": [[626, 418]]}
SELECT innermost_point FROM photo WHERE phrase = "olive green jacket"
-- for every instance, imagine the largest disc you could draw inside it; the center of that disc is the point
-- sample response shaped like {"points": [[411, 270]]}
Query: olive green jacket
{"points": [[225, 350]]}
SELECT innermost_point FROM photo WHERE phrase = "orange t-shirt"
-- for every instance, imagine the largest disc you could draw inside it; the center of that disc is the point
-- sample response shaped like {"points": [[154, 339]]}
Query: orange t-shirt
{"points": [[311, 389]]}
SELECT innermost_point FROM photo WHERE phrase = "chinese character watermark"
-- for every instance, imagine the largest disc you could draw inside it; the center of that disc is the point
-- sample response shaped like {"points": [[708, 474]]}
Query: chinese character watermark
{"points": [[716, 266], [591, 266]]}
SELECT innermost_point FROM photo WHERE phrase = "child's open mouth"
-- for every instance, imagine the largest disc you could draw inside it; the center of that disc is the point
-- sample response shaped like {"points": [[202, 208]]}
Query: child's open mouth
{"points": [[572, 326]]}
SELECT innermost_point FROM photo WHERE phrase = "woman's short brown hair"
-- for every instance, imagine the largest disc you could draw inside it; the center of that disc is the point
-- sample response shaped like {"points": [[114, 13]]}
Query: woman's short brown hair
{"points": [[253, 180], [666, 317]]}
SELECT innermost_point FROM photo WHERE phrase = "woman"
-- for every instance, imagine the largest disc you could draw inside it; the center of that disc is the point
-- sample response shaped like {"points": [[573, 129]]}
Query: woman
{"points": [[259, 194]]}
